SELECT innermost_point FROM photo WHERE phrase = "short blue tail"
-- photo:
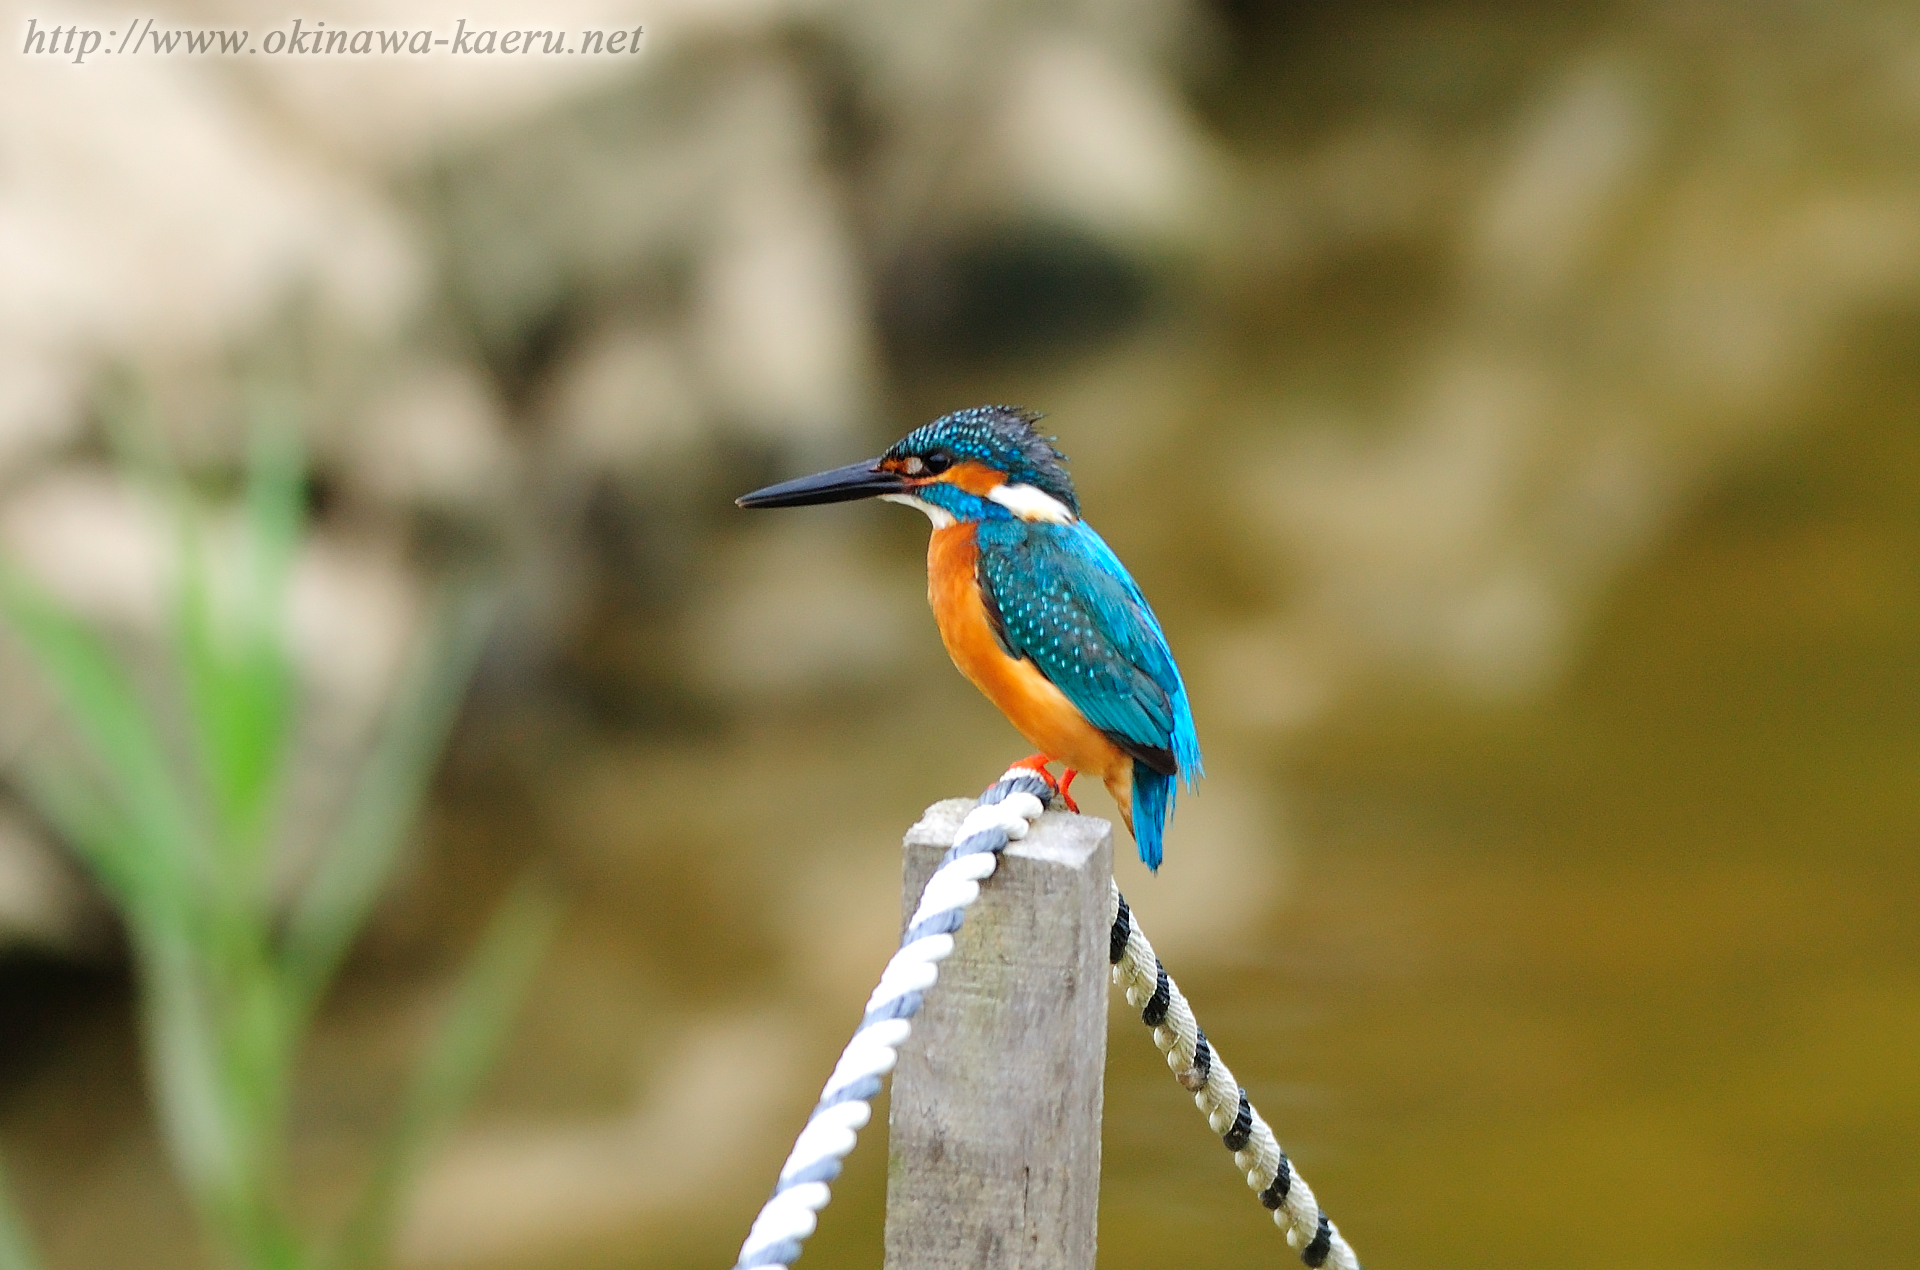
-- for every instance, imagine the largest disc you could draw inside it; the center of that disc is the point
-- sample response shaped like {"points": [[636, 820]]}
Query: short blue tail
{"points": [[1152, 805]]}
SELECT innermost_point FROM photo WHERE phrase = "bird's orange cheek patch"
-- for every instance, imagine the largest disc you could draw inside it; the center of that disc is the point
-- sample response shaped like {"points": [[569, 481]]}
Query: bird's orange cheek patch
{"points": [[976, 478]]}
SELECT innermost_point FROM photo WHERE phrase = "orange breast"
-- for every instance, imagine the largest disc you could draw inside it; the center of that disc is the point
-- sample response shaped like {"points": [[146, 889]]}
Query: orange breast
{"points": [[1031, 703]]}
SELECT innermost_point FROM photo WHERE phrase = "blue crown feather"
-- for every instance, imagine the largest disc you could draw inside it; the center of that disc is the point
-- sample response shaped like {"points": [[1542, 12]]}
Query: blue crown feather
{"points": [[1000, 437]]}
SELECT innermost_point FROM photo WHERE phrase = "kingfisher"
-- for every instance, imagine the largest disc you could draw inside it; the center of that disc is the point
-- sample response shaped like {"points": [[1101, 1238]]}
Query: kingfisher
{"points": [[1034, 607]]}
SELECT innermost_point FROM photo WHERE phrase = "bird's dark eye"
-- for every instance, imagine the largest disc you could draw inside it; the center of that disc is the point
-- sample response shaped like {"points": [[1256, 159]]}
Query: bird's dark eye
{"points": [[938, 462]]}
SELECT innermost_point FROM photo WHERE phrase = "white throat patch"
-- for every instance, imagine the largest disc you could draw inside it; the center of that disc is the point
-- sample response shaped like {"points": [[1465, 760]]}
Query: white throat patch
{"points": [[940, 516], [1030, 502]]}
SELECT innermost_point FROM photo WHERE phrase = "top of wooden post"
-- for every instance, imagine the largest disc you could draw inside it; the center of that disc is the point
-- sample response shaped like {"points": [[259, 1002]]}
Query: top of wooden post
{"points": [[1058, 837]]}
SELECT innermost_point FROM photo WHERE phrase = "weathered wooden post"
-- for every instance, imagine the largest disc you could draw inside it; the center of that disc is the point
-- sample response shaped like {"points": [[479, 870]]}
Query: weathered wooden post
{"points": [[993, 1158]]}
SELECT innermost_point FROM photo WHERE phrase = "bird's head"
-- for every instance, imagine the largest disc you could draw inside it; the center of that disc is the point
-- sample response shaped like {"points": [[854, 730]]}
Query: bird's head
{"points": [[981, 464]]}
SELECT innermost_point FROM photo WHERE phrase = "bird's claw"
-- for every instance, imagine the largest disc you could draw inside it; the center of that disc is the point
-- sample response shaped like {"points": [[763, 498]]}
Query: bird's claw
{"points": [[1066, 780], [1037, 763]]}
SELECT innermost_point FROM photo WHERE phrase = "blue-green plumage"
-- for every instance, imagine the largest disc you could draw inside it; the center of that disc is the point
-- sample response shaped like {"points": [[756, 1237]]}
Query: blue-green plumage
{"points": [[1001, 437], [1064, 601], [1054, 594]]}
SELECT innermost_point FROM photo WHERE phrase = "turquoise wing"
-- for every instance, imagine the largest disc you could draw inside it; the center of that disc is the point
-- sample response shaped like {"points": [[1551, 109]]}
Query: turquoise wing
{"points": [[1064, 601]]}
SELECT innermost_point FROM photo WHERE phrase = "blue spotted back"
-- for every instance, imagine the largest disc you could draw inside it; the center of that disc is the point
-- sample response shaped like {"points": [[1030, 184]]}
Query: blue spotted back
{"points": [[1067, 603]]}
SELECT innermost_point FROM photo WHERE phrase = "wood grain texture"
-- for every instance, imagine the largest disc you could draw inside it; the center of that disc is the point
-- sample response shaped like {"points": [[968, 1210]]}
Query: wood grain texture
{"points": [[994, 1141]]}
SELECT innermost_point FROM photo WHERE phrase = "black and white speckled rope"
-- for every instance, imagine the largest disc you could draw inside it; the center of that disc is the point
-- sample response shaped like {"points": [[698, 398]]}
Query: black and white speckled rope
{"points": [[1003, 813], [1198, 1067]]}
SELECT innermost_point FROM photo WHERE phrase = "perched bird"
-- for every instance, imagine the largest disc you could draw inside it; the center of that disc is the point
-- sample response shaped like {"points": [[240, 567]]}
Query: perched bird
{"points": [[1033, 607]]}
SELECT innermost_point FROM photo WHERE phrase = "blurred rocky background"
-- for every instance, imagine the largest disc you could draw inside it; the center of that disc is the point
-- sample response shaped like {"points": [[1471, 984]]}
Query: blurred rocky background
{"points": [[1510, 409]]}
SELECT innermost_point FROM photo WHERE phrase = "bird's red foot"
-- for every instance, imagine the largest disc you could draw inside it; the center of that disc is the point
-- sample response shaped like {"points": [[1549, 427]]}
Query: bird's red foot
{"points": [[1037, 763]]}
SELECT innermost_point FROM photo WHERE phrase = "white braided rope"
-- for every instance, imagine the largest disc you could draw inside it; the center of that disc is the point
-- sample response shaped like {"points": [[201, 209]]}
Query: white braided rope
{"points": [[1003, 814], [1163, 1007]]}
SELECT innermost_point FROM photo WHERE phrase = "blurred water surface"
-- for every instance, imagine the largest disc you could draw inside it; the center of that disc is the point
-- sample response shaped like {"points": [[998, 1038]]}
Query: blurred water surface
{"points": [[1508, 409]]}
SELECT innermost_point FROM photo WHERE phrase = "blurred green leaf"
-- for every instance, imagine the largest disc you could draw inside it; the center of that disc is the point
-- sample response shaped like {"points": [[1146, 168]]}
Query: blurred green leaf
{"points": [[183, 1053], [276, 495], [238, 692], [231, 646], [154, 851], [356, 864], [448, 1074], [176, 814], [16, 1246], [90, 821]]}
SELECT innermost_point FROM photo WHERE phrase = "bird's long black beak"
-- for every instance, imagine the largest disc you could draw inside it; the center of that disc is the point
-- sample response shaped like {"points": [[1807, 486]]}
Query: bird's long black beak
{"points": [[841, 485]]}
